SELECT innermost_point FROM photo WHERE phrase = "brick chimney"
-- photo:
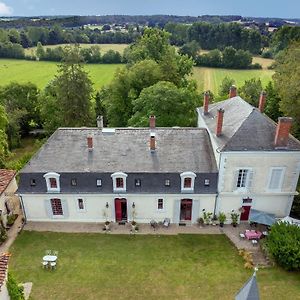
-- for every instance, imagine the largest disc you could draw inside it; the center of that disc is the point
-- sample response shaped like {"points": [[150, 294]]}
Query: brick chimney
{"points": [[219, 121], [282, 132], [205, 103], [232, 91], [262, 101], [100, 122], [90, 143], [152, 122], [152, 142]]}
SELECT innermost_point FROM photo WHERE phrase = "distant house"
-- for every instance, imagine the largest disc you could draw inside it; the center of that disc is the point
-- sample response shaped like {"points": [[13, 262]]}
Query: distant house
{"points": [[258, 160], [9, 203], [92, 174]]}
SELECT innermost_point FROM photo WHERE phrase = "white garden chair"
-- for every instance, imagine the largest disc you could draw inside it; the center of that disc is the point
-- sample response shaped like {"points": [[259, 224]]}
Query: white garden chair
{"points": [[45, 264], [53, 264]]}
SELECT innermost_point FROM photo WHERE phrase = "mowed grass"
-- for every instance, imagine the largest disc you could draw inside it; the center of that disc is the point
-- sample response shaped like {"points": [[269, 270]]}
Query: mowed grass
{"points": [[103, 47], [41, 72], [99, 266], [211, 78]]}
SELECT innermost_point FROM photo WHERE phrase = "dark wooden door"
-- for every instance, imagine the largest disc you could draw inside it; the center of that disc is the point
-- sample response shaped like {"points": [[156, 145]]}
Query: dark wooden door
{"points": [[245, 213], [186, 210], [121, 209]]}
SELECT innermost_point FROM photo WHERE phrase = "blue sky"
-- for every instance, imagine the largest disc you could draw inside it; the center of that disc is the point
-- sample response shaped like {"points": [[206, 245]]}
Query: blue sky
{"points": [[265, 8]]}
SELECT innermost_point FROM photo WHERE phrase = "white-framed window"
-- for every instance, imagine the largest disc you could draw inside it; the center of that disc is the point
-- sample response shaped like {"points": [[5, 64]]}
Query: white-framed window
{"points": [[119, 181], [137, 182], [244, 178], [52, 182], [99, 182], [80, 204], [167, 182], [160, 204], [56, 206], [187, 181], [276, 178], [206, 182]]}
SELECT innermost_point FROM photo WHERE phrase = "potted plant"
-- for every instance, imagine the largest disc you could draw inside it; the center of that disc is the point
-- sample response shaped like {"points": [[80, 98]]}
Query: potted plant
{"points": [[222, 219], [207, 217], [200, 222], [106, 225], [234, 219], [133, 226]]}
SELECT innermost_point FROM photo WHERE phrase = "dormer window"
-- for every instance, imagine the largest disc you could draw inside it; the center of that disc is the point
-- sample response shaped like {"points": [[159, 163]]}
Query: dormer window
{"points": [[137, 182], [187, 181], [73, 181], [52, 182], [167, 182], [119, 181], [32, 182]]}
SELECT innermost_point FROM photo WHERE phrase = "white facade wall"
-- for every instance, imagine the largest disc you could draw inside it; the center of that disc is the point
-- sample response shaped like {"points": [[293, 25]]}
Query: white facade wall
{"points": [[95, 205], [277, 202]]}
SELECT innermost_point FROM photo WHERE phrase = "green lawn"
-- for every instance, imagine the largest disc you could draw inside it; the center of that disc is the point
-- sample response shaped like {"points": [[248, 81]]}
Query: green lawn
{"points": [[98, 266]]}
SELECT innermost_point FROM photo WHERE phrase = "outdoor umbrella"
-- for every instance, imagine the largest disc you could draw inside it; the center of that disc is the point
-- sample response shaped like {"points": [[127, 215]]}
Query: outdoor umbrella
{"points": [[249, 291], [261, 217]]}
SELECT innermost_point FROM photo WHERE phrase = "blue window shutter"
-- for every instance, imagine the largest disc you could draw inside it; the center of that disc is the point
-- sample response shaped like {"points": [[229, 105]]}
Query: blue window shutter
{"points": [[48, 208], [195, 210], [65, 208], [176, 212]]}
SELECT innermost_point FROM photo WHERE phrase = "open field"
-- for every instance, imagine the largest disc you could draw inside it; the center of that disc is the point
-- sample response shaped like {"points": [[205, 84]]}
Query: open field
{"points": [[103, 266], [211, 78], [42, 72], [103, 47]]}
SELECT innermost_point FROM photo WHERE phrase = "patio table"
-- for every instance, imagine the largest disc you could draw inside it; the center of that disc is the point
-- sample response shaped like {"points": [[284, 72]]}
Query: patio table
{"points": [[50, 258], [253, 235]]}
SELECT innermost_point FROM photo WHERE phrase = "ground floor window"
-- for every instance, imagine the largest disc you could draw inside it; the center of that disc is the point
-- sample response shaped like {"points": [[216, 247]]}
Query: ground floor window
{"points": [[80, 204], [160, 204], [56, 207]]}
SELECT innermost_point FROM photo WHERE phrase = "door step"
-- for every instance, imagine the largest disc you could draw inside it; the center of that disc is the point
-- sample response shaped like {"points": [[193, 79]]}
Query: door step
{"points": [[182, 224], [122, 223]]}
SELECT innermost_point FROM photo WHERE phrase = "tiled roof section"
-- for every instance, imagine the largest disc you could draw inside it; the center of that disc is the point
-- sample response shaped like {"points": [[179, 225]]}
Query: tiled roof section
{"points": [[6, 176], [245, 128], [126, 150], [3, 267]]}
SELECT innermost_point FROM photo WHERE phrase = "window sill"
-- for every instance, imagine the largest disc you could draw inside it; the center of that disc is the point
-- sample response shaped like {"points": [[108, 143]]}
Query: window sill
{"points": [[119, 190], [187, 190]]}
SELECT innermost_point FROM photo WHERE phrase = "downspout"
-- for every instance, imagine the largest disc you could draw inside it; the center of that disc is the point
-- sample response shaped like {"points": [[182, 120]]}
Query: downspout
{"points": [[219, 167]]}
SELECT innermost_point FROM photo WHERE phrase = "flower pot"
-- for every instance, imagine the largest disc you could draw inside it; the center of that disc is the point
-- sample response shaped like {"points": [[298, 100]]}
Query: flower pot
{"points": [[221, 224]]}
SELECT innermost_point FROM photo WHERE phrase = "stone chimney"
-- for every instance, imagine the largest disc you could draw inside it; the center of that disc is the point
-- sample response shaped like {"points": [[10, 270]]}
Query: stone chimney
{"points": [[152, 122], [219, 126], [152, 142], [90, 143], [232, 91], [262, 101], [205, 103], [100, 122], [282, 132]]}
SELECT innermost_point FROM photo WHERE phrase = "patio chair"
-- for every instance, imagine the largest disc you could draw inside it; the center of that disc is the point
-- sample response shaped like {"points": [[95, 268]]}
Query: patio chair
{"points": [[45, 264], [242, 235], [48, 252], [166, 222], [55, 253], [153, 224], [53, 264], [254, 242]]}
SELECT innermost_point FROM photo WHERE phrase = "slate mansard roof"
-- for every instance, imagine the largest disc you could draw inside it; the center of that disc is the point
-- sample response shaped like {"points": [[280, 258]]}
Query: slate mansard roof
{"points": [[245, 128], [127, 150]]}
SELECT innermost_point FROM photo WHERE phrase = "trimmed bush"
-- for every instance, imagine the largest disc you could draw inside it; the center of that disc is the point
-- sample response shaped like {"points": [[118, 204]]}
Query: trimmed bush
{"points": [[14, 290], [283, 243]]}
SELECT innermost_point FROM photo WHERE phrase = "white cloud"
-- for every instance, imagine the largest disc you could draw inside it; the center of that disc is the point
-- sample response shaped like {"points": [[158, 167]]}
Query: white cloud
{"points": [[5, 10]]}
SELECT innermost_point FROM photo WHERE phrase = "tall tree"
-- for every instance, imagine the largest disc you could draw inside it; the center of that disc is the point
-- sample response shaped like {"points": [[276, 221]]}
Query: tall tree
{"points": [[272, 104], [250, 91], [225, 86], [287, 78]]}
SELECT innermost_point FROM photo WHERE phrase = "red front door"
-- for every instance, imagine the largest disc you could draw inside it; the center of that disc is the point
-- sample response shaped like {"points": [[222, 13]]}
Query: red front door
{"points": [[245, 213], [121, 209], [186, 210]]}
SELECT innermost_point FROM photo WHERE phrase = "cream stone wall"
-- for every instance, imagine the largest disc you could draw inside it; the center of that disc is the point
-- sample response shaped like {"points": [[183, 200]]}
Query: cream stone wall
{"points": [[95, 206]]}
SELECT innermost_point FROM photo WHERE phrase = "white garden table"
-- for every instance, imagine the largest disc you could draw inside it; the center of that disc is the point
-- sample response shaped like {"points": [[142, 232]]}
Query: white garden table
{"points": [[50, 258]]}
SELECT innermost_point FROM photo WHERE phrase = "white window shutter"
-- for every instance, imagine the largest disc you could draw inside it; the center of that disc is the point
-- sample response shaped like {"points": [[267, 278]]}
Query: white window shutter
{"points": [[250, 178], [176, 212], [235, 178], [129, 210], [48, 208], [195, 210], [113, 210], [65, 208]]}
